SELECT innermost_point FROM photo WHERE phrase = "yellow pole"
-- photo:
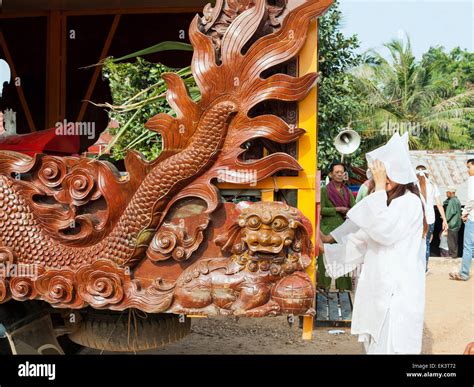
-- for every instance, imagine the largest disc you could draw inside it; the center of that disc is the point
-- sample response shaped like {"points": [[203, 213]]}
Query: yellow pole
{"points": [[308, 62], [268, 195]]}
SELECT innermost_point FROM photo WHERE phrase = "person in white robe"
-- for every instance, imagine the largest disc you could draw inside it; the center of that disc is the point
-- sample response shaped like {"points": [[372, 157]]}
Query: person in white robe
{"points": [[384, 232]]}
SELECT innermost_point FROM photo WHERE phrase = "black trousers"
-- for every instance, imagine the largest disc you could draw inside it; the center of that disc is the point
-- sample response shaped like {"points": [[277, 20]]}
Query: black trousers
{"points": [[453, 243]]}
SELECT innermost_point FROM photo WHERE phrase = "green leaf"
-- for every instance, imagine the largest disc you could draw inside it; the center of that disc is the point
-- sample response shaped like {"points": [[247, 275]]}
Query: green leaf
{"points": [[163, 46]]}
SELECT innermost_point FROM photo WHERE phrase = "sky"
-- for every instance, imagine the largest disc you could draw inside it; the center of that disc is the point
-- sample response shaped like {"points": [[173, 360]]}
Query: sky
{"points": [[427, 23]]}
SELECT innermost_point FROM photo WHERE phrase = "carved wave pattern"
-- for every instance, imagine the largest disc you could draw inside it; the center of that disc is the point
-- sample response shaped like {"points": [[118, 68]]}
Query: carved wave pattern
{"points": [[102, 285]]}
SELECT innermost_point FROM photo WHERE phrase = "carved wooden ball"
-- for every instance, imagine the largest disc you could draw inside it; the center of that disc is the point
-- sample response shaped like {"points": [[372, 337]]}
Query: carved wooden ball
{"points": [[294, 294]]}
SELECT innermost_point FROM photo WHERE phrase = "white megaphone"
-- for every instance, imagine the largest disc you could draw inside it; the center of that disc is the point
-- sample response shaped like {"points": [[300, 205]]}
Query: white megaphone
{"points": [[347, 141]]}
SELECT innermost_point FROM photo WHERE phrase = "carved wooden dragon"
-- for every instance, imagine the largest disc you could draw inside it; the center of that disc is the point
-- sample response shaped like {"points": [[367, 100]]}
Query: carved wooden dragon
{"points": [[74, 218]]}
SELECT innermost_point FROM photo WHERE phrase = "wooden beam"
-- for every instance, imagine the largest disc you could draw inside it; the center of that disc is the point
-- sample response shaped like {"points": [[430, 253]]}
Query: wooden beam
{"points": [[283, 182], [131, 11], [105, 11], [19, 89], [98, 69], [16, 15]]}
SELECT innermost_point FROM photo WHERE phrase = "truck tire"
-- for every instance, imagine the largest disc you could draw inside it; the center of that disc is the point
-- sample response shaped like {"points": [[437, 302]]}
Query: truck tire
{"points": [[122, 332]]}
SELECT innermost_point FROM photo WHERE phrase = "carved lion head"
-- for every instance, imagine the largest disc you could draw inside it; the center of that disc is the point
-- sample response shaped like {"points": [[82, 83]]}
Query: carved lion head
{"points": [[268, 229]]}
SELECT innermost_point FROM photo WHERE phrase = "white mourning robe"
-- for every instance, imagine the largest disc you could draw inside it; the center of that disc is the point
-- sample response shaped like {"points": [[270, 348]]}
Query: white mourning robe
{"points": [[390, 297]]}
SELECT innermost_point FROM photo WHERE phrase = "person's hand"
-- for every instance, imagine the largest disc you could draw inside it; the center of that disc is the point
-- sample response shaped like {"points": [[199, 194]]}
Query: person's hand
{"points": [[342, 210], [379, 175], [445, 225], [464, 218], [321, 248], [325, 238]]}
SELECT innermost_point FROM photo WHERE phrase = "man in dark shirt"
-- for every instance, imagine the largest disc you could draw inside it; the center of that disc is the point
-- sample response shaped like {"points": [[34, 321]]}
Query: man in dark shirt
{"points": [[453, 217]]}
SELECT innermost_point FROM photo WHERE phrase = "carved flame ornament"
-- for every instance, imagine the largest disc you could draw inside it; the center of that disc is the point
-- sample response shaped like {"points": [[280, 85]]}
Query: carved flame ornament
{"points": [[87, 238]]}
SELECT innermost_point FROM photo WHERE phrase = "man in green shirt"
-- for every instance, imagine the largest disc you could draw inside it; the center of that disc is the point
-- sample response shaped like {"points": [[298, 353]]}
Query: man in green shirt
{"points": [[453, 217], [336, 200]]}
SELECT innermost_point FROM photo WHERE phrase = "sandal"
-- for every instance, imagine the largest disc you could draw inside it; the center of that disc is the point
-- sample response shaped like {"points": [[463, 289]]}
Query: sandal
{"points": [[456, 277]]}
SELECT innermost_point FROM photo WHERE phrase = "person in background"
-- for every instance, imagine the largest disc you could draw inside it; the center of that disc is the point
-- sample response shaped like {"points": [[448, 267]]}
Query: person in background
{"points": [[431, 196], [365, 189], [453, 217], [468, 218], [443, 244], [336, 201]]}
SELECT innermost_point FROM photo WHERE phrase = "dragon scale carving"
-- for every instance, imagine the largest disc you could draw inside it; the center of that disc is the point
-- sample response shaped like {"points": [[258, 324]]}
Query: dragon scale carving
{"points": [[31, 245]]}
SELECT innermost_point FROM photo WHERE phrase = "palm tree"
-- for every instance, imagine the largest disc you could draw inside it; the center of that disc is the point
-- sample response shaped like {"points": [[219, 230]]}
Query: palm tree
{"points": [[405, 95]]}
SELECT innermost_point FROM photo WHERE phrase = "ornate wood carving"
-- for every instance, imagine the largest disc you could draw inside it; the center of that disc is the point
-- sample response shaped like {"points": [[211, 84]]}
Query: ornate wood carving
{"points": [[182, 235], [92, 238], [216, 20], [265, 275]]}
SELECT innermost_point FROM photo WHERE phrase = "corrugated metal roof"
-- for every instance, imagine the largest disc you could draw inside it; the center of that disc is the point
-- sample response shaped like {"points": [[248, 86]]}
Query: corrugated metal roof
{"points": [[446, 168]]}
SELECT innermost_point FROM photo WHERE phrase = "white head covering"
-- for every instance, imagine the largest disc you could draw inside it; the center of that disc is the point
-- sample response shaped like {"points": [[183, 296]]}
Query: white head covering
{"points": [[396, 159], [422, 172]]}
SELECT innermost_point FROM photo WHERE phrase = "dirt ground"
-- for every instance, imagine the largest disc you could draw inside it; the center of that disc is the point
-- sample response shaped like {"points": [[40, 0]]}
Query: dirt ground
{"points": [[449, 326], [449, 312]]}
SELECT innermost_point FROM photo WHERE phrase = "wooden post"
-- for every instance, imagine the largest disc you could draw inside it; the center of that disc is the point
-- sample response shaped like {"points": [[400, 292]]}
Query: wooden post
{"points": [[54, 69], [63, 58], [98, 69]]}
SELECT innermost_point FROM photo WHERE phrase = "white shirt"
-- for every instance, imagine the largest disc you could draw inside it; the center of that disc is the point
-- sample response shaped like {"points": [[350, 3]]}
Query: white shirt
{"points": [[469, 207], [388, 241], [432, 192]]}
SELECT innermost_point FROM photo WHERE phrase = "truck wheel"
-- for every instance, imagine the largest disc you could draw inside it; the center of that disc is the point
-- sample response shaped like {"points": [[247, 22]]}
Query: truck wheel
{"points": [[128, 331]]}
